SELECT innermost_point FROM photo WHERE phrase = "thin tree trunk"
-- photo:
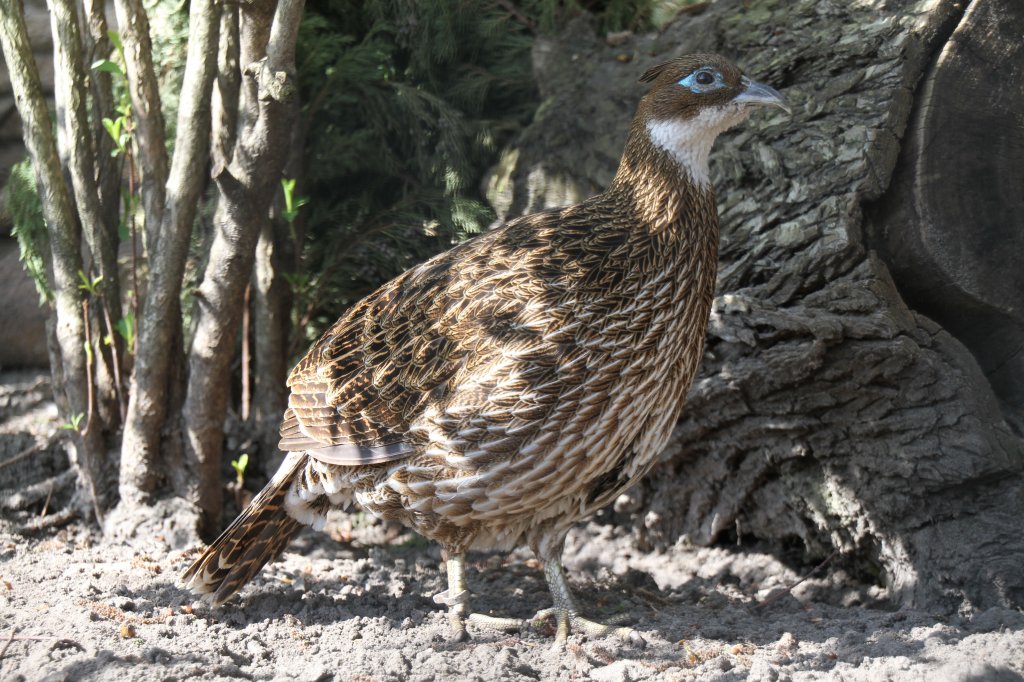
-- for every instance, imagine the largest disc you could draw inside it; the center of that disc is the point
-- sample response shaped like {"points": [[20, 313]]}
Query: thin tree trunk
{"points": [[160, 324], [81, 165], [276, 253], [226, 88], [247, 186], [97, 46], [245, 401], [147, 115], [270, 325], [65, 255]]}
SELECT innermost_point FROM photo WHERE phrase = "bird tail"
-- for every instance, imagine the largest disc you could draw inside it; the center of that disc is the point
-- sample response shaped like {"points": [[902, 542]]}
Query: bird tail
{"points": [[258, 535]]}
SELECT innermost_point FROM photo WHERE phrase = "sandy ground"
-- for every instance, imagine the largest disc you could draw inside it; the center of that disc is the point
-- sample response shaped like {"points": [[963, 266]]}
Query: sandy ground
{"points": [[76, 607]]}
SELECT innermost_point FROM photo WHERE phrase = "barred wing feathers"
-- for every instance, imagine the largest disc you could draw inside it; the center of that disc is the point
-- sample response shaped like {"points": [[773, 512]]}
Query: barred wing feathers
{"points": [[463, 336]]}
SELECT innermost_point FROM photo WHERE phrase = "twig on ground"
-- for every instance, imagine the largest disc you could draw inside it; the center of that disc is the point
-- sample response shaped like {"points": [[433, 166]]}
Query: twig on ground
{"points": [[56, 519], [780, 594], [44, 489], [7, 644], [33, 449], [49, 496]]}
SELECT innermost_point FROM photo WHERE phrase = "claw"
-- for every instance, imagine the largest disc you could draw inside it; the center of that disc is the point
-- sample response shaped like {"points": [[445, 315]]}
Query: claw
{"points": [[565, 622], [565, 611]]}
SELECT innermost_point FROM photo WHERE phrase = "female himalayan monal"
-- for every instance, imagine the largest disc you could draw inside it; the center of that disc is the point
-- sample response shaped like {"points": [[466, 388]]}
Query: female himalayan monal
{"points": [[502, 391]]}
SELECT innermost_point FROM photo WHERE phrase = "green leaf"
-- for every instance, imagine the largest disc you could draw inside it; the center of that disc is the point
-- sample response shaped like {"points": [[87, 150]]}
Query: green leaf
{"points": [[107, 66], [292, 204], [115, 40], [25, 209], [113, 129], [88, 285], [126, 328], [74, 423], [240, 464]]}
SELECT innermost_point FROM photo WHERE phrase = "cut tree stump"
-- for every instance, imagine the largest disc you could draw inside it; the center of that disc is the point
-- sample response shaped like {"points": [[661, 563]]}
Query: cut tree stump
{"points": [[829, 408]]}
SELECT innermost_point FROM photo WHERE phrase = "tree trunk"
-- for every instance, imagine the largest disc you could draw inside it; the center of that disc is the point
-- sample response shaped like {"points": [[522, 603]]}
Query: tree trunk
{"points": [[226, 89], [160, 325], [826, 409], [271, 304], [950, 225], [80, 163], [147, 114], [276, 254], [65, 259], [97, 46], [247, 186]]}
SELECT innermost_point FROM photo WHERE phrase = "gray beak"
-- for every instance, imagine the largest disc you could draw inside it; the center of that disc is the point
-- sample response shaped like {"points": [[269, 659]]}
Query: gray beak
{"points": [[759, 94]]}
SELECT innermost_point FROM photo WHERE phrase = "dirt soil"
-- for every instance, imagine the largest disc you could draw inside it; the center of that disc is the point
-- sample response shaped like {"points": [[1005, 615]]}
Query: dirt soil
{"points": [[356, 604]]}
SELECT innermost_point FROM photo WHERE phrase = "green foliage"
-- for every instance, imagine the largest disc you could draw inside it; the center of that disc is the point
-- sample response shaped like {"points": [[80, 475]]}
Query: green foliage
{"points": [[22, 200], [240, 465], [612, 15], [107, 66], [118, 129], [89, 285], [75, 423], [620, 15], [292, 203], [407, 106], [125, 327]]}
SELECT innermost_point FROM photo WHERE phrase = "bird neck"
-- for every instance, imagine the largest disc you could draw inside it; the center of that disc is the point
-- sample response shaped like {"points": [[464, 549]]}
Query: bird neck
{"points": [[663, 175]]}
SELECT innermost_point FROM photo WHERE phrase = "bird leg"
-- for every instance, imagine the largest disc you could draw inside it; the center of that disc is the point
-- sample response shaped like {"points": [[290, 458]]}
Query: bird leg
{"points": [[565, 612], [456, 597]]}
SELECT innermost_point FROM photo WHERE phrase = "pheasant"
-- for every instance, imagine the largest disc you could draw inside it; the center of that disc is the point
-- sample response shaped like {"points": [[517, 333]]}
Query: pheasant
{"points": [[500, 392]]}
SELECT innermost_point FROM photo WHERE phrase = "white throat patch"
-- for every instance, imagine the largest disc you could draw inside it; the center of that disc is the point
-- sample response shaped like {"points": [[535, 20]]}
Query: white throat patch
{"points": [[688, 141]]}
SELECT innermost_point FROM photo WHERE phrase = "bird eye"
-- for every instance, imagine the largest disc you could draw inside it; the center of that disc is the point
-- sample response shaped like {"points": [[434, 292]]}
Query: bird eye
{"points": [[703, 80]]}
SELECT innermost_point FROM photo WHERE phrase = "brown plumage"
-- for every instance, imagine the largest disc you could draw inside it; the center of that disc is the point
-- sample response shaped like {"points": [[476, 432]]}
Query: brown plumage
{"points": [[503, 390]]}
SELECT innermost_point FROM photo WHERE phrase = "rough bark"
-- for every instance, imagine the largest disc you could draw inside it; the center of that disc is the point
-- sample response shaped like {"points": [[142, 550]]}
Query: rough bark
{"points": [[80, 164], [226, 88], [160, 323], [276, 254], [247, 186], [65, 257], [97, 46], [147, 116], [271, 304], [950, 225], [826, 410]]}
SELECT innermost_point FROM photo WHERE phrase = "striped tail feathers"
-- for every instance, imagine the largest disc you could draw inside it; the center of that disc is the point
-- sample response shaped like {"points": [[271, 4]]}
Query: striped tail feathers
{"points": [[258, 535]]}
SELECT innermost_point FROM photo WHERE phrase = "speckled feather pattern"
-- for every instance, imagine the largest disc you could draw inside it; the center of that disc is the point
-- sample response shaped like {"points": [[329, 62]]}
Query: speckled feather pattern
{"points": [[560, 346], [500, 392]]}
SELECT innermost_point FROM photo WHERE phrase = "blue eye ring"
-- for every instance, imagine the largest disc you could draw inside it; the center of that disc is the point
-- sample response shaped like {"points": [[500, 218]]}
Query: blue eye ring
{"points": [[697, 82]]}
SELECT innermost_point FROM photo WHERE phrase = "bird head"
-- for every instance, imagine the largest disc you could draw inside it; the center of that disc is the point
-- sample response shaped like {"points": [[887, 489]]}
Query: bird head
{"points": [[694, 98]]}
